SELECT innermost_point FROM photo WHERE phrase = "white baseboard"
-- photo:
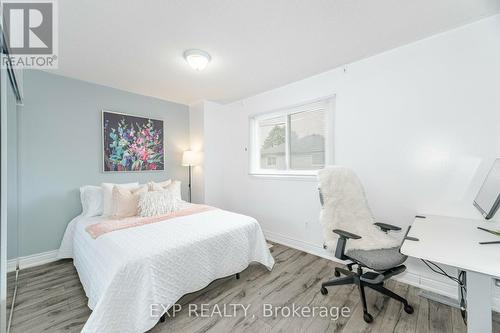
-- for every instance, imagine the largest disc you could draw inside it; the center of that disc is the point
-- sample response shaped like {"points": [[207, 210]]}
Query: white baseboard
{"points": [[32, 260], [448, 289]]}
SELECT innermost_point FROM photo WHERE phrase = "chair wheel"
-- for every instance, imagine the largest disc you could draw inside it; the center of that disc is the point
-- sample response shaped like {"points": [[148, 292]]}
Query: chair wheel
{"points": [[337, 273], [324, 291], [367, 317], [409, 309]]}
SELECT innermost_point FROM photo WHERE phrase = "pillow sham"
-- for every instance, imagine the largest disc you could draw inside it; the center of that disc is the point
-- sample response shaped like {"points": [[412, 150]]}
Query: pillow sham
{"points": [[174, 186], [155, 203], [160, 186], [92, 200], [107, 189], [125, 200]]}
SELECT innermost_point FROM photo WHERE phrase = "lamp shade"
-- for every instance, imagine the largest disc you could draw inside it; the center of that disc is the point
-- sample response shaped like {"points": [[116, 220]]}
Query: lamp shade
{"points": [[189, 158]]}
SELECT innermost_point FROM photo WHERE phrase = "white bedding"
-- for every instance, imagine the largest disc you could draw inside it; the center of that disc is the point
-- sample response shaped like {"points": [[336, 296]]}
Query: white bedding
{"points": [[125, 271]]}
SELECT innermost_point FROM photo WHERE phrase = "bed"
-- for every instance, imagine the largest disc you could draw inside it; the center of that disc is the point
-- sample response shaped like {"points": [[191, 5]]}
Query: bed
{"points": [[125, 271]]}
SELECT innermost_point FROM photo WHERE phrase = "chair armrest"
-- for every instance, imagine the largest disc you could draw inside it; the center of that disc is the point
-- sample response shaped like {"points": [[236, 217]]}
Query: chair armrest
{"points": [[345, 234], [386, 227]]}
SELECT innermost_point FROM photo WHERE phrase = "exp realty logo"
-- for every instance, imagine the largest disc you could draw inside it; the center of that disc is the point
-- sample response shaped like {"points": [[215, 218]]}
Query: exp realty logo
{"points": [[30, 33]]}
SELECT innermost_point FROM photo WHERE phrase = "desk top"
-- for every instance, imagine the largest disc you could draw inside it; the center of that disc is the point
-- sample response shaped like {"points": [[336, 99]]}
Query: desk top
{"points": [[455, 241]]}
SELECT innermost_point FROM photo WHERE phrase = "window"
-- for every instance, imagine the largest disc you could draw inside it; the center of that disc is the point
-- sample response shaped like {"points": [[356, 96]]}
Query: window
{"points": [[294, 140], [272, 141]]}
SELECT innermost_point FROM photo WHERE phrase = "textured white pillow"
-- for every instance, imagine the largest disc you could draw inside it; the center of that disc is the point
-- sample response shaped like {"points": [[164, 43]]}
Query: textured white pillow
{"points": [[125, 200], [92, 200], [107, 189], [155, 203]]}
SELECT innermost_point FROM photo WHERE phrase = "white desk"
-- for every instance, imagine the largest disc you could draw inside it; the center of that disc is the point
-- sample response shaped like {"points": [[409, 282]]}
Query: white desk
{"points": [[454, 241]]}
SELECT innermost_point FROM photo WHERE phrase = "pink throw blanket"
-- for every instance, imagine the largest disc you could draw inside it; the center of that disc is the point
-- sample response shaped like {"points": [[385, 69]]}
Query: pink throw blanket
{"points": [[103, 227]]}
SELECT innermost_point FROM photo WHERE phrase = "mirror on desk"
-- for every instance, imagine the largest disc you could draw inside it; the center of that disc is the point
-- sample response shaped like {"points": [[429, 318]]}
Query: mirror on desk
{"points": [[488, 199]]}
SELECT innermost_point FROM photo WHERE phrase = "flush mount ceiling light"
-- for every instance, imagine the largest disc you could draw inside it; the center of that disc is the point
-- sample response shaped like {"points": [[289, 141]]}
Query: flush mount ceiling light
{"points": [[197, 59]]}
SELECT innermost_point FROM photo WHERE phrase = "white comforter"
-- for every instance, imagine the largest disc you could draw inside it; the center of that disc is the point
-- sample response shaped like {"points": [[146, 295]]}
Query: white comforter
{"points": [[125, 271]]}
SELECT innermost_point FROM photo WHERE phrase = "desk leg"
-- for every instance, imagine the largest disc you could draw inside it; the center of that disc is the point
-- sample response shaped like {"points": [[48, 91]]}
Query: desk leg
{"points": [[478, 303]]}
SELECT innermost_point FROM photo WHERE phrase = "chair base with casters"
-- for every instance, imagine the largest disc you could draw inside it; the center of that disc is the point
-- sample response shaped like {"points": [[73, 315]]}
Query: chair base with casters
{"points": [[383, 264], [370, 280]]}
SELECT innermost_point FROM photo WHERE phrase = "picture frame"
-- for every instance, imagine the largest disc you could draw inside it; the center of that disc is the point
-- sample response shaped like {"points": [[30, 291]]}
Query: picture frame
{"points": [[132, 143]]}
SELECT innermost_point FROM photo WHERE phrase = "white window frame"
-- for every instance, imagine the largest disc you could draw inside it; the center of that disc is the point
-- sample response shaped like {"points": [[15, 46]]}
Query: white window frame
{"points": [[328, 103]]}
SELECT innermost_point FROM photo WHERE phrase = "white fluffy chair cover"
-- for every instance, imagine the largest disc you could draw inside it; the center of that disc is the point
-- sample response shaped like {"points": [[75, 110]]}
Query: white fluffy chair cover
{"points": [[345, 207]]}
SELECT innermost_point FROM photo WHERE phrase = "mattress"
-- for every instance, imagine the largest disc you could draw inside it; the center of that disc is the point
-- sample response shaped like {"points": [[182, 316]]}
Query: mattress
{"points": [[126, 271]]}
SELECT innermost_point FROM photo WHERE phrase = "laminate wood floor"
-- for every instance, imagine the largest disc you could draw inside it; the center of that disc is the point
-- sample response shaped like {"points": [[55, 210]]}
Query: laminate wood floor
{"points": [[51, 299]]}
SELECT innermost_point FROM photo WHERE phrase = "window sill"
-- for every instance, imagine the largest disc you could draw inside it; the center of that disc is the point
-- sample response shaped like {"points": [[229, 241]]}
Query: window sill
{"points": [[275, 176]]}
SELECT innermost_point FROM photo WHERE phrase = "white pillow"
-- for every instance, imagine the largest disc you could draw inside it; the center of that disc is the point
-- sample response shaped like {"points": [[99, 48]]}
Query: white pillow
{"points": [[155, 203], [92, 200], [107, 189], [154, 186], [125, 200], [174, 186]]}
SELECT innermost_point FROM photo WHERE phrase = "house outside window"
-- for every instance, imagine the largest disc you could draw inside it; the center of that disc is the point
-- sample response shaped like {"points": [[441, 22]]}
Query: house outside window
{"points": [[271, 162]]}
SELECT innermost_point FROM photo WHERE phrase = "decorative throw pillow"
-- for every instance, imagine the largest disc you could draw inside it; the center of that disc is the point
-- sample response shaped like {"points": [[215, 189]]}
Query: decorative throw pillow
{"points": [[125, 200], [155, 203], [107, 189], [174, 186], [92, 200], [160, 186]]}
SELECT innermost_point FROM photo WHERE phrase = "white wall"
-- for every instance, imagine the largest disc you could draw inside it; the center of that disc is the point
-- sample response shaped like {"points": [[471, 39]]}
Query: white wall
{"points": [[196, 135], [205, 121], [419, 124], [216, 155]]}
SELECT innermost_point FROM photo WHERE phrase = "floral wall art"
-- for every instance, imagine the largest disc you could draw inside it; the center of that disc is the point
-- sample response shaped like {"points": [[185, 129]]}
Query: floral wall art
{"points": [[132, 143]]}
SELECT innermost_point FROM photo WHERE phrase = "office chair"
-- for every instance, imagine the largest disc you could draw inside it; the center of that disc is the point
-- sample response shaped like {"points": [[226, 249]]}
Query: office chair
{"points": [[357, 238]]}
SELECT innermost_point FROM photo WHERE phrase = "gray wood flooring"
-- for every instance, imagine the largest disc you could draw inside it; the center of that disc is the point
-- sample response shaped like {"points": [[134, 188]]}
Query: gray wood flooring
{"points": [[51, 299]]}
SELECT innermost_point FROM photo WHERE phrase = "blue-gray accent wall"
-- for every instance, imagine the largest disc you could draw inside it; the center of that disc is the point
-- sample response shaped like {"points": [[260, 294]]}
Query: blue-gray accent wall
{"points": [[60, 150]]}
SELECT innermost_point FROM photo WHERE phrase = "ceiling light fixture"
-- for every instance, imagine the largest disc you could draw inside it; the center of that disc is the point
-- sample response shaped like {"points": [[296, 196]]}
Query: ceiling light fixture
{"points": [[197, 59]]}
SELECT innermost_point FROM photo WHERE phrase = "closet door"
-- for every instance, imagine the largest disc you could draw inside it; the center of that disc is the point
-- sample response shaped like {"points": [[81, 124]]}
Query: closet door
{"points": [[3, 200], [12, 238], [10, 98]]}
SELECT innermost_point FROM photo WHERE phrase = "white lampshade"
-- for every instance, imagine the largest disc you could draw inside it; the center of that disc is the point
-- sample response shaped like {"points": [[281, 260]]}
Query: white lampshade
{"points": [[189, 158], [197, 59]]}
